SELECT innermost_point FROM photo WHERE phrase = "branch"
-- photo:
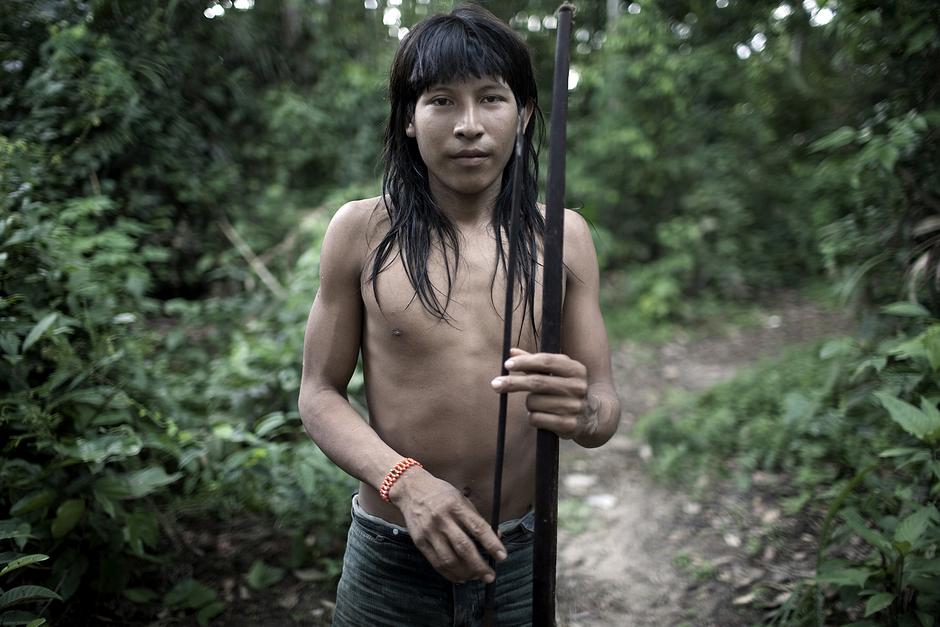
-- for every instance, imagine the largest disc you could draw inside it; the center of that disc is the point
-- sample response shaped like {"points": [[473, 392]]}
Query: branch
{"points": [[256, 264]]}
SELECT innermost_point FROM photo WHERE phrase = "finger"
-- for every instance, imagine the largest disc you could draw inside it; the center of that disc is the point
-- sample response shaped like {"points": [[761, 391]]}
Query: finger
{"points": [[566, 427], [444, 559], [542, 384], [554, 404], [484, 534], [470, 564], [547, 363], [515, 352]]}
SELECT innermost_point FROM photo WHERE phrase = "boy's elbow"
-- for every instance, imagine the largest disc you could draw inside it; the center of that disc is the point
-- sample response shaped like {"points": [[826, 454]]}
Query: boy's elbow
{"points": [[310, 407], [319, 401]]}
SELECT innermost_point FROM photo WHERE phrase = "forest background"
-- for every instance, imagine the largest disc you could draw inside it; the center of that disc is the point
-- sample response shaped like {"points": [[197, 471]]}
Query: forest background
{"points": [[167, 170]]}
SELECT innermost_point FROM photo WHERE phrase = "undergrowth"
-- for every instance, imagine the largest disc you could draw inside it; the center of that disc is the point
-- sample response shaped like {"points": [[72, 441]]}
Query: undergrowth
{"points": [[853, 428]]}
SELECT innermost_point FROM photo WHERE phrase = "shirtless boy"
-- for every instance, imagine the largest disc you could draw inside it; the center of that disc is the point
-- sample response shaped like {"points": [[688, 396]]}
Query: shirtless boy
{"points": [[415, 280]]}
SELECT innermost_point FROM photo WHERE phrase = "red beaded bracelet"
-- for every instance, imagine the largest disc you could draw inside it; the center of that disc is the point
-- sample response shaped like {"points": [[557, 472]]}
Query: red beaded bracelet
{"points": [[394, 474]]}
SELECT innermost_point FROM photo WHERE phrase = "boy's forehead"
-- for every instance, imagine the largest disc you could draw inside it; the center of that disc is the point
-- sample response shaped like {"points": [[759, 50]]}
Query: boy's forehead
{"points": [[472, 82]]}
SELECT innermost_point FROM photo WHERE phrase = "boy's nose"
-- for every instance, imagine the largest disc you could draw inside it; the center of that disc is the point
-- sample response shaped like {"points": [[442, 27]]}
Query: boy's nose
{"points": [[469, 124]]}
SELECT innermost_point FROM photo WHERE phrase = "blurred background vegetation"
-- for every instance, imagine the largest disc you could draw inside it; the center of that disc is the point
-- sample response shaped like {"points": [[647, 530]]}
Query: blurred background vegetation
{"points": [[166, 174]]}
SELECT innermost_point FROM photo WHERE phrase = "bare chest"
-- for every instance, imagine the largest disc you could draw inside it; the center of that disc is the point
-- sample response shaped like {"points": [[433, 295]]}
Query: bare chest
{"points": [[472, 294]]}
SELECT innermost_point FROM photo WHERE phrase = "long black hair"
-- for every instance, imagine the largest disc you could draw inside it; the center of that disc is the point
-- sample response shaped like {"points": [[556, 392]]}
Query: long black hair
{"points": [[468, 42]]}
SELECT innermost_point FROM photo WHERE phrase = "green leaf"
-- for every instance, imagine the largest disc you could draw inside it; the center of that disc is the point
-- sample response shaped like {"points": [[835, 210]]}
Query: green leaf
{"points": [[26, 560], [270, 423], [21, 594], [836, 139], [261, 576], [837, 347], [189, 593], [876, 363], [37, 331], [67, 516], [140, 529], [907, 309], [140, 595], [8, 556], [20, 617], [32, 502], [920, 39], [898, 452], [933, 414], [107, 504], [878, 602], [844, 576], [911, 419], [912, 528], [932, 346], [14, 529], [913, 348], [135, 484], [119, 443], [904, 548], [208, 612], [856, 524]]}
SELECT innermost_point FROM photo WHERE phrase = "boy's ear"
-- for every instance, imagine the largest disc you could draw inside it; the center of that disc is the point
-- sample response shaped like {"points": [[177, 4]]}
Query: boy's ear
{"points": [[410, 129], [529, 108]]}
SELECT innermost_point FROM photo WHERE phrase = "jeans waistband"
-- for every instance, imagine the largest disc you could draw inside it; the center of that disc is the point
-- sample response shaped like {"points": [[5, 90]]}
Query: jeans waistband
{"points": [[506, 527]]}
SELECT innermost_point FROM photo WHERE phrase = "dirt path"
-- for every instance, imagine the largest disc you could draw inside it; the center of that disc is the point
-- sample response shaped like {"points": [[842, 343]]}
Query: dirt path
{"points": [[631, 552]]}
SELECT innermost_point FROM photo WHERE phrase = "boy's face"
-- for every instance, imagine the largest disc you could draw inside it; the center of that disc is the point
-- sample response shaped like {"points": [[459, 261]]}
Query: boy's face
{"points": [[465, 132]]}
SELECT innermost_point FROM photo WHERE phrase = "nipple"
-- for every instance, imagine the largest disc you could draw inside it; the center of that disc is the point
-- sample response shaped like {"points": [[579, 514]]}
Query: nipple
{"points": [[396, 332]]}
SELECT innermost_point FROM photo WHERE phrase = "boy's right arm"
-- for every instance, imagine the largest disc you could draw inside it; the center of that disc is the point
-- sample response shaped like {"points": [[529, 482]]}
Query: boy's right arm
{"points": [[331, 349], [439, 518]]}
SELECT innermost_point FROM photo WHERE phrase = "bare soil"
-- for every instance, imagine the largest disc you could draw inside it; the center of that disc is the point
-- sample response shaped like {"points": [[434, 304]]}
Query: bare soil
{"points": [[633, 552]]}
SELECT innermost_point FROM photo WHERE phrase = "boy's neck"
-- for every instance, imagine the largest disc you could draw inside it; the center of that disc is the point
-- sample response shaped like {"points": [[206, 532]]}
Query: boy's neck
{"points": [[466, 210]]}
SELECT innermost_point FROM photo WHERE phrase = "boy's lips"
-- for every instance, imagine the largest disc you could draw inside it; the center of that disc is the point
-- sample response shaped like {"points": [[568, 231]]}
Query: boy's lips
{"points": [[470, 156]]}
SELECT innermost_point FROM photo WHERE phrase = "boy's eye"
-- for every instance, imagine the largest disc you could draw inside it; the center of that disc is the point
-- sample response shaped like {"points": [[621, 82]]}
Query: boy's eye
{"points": [[493, 98], [440, 101]]}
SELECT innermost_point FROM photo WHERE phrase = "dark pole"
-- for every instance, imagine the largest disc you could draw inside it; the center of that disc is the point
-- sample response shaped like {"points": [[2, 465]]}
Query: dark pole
{"points": [[546, 459]]}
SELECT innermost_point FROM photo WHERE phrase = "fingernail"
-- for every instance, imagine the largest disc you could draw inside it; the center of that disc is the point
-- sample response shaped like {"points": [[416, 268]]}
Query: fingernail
{"points": [[500, 555], [510, 364], [489, 578], [497, 383]]}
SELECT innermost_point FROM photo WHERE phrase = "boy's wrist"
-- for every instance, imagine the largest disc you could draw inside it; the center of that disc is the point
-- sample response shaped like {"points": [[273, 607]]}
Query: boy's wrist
{"points": [[391, 478], [404, 487]]}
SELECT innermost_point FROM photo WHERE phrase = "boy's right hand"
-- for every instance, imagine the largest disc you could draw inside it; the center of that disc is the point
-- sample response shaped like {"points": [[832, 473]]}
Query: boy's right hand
{"points": [[444, 524]]}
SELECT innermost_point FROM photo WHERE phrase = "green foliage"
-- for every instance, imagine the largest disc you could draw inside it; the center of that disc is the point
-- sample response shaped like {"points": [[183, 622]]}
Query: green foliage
{"points": [[149, 373], [753, 422], [127, 402], [105, 416], [687, 155], [189, 594], [857, 429], [28, 594]]}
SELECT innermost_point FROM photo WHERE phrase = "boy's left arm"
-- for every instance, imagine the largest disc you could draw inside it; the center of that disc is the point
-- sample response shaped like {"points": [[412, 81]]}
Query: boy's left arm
{"points": [[571, 393]]}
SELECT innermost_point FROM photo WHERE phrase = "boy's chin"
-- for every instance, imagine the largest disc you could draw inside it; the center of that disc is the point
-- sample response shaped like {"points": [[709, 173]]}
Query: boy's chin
{"points": [[471, 187]]}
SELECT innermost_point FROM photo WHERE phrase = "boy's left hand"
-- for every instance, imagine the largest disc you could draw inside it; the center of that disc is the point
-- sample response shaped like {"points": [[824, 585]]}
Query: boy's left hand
{"points": [[558, 392]]}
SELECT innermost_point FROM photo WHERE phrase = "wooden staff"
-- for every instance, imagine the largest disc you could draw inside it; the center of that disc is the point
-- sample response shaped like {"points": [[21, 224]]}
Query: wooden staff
{"points": [[546, 460]]}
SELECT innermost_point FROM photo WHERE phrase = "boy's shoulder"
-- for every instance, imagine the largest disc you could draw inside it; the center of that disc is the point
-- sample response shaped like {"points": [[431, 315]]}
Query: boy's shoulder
{"points": [[359, 213], [360, 220]]}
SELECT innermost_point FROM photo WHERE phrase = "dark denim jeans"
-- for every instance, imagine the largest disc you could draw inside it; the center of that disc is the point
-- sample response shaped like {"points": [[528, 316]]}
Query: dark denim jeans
{"points": [[386, 580]]}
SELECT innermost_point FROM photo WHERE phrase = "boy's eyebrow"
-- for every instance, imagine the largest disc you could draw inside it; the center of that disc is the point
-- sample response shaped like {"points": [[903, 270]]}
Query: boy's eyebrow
{"points": [[494, 85]]}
